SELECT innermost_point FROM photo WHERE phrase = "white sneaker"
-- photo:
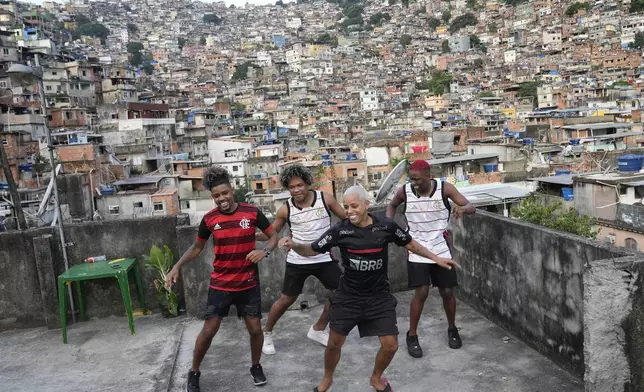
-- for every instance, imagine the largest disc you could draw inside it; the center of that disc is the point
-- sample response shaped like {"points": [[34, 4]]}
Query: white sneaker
{"points": [[321, 337], [268, 348]]}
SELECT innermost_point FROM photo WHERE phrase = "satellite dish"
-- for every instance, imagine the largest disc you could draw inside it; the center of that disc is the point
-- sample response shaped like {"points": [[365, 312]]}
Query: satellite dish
{"points": [[280, 124], [390, 182]]}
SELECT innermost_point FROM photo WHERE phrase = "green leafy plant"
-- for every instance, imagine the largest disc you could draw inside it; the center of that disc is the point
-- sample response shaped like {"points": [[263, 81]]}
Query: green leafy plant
{"points": [[553, 216], [162, 261]]}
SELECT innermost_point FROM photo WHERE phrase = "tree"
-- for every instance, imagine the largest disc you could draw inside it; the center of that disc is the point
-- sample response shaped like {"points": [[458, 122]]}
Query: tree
{"points": [[575, 7], [202, 41], [148, 68], [133, 47], [492, 28], [554, 217], [182, 42], [478, 63], [638, 43], [136, 59], [636, 6], [81, 19], [378, 18], [447, 15], [462, 21], [392, 2], [420, 11], [405, 40], [486, 94], [471, 4], [433, 23], [514, 2], [212, 18], [241, 71], [326, 39], [405, 3], [353, 11], [279, 3], [528, 89], [132, 28], [438, 84], [445, 46], [476, 43], [96, 30]]}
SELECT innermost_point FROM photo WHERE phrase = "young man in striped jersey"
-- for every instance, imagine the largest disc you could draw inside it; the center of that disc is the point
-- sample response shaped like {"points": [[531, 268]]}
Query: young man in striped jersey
{"points": [[363, 298], [234, 279], [308, 214], [427, 211]]}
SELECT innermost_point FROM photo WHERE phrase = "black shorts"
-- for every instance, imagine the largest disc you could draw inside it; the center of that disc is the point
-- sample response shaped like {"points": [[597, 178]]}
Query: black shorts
{"points": [[328, 274], [248, 303], [424, 274], [374, 316]]}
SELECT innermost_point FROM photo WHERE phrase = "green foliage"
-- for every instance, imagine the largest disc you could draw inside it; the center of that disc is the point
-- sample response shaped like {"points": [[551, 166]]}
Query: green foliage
{"points": [[420, 11], [241, 71], [240, 194], [279, 3], [515, 2], [162, 262], [353, 11], [405, 3], [212, 18], [182, 42], [433, 23], [202, 41], [393, 162], [81, 19], [528, 89], [445, 46], [405, 40], [575, 7], [392, 2], [132, 28], [91, 29], [621, 83], [136, 59], [326, 39], [352, 22], [377, 19], [638, 43], [133, 47], [462, 21], [492, 28], [486, 94], [148, 68], [471, 4], [636, 6], [447, 15], [476, 43], [554, 217], [438, 83], [478, 63]]}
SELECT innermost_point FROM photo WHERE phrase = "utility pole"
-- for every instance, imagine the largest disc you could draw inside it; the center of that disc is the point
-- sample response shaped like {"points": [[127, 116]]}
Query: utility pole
{"points": [[13, 190]]}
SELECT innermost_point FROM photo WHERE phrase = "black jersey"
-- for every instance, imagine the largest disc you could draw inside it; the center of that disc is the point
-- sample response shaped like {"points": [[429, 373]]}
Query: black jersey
{"points": [[364, 252]]}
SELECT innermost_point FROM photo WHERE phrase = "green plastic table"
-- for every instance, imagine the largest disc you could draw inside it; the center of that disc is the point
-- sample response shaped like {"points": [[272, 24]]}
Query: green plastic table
{"points": [[99, 270]]}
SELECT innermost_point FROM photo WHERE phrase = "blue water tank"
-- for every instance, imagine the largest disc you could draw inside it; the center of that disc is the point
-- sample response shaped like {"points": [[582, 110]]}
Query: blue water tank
{"points": [[327, 163], [567, 193], [325, 157], [527, 141], [561, 172], [630, 163], [108, 191], [490, 167]]}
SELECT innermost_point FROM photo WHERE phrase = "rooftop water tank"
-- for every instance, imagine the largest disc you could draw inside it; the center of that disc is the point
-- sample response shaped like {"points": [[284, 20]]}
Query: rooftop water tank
{"points": [[630, 163]]}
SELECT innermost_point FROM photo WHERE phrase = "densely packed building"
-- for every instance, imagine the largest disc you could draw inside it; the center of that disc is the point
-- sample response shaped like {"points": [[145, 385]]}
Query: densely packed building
{"points": [[141, 96]]}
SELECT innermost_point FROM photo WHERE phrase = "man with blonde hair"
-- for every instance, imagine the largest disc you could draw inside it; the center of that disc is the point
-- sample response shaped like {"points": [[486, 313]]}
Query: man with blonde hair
{"points": [[363, 298]]}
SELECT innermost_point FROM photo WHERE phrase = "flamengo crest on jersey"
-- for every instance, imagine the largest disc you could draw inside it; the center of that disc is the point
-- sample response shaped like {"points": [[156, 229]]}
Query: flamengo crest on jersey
{"points": [[307, 225]]}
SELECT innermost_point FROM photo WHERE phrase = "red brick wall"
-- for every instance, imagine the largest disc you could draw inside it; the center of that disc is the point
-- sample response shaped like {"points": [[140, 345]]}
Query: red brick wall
{"points": [[485, 178]]}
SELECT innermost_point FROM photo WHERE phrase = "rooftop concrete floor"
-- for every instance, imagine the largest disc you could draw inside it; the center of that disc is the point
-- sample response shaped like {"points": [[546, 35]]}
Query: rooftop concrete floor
{"points": [[102, 356], [486, 362]]}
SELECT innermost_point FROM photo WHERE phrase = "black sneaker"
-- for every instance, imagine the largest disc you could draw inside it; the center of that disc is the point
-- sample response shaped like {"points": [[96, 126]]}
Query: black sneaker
{"points": [[257, 373], [193, 382], [454, 338], [413, 346]]}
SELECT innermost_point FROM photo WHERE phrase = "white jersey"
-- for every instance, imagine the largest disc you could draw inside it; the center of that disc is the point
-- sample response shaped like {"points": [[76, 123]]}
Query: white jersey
{"points": [[427, 219], [307, 225]]}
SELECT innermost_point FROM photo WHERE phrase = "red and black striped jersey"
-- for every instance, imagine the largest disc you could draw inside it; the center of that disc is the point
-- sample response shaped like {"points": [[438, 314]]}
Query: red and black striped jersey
{"points": [[364, 252], [233, 237]]}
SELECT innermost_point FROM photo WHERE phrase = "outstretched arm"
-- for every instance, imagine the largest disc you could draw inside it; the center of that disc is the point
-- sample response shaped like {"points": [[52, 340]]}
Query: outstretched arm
{"points": [[334, 206], [415, 247], [463, 206], [398, 199], [189, 255], [301, 249], [322, 245]]}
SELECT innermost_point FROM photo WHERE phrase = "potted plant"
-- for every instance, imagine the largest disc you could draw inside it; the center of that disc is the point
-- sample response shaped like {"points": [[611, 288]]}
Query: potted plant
{"points": [[162, 261]]}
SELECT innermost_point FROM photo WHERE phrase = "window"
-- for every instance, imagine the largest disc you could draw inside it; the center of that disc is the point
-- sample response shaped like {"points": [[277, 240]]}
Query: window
{"points": [[54, 73], [631, 243], [5, 51], [84, 73], [235, 168], [158, 206], [48, 88], [137, 204], [259, 185], [113, 210], [185, 204], [352, 173], [5, 142]]}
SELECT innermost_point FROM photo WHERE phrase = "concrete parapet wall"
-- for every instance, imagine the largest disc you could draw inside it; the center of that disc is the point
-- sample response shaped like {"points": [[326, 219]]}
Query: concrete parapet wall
{"points": [[528, 280]]}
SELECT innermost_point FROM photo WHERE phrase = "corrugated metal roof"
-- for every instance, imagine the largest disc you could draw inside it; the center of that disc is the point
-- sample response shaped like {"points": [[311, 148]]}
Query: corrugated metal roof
{"points": [[563, 179], [462, 158], [140, 180]]}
